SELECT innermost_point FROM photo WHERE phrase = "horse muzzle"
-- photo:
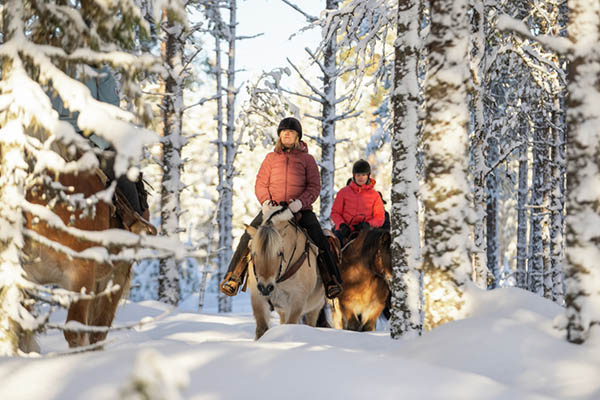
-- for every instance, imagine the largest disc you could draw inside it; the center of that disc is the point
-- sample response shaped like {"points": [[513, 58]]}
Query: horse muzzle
{"points": [[265, 290]]}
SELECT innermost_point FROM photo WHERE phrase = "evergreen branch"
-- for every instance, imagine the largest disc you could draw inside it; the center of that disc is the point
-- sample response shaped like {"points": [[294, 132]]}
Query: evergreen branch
{"points": [[560, 45]]}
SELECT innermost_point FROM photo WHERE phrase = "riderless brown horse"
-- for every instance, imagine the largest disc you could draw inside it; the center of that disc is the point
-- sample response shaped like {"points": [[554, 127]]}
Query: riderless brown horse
{"points": [[366, 270], [58, 247], [283, 274]]}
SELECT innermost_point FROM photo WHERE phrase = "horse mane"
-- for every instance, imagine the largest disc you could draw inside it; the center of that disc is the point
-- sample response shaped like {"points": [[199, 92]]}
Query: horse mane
{"points": [[265, 236], [374, 240]]}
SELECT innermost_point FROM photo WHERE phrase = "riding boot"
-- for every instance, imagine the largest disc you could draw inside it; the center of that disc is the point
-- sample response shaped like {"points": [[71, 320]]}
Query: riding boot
{"points": [[330, 275], [236, 273]]}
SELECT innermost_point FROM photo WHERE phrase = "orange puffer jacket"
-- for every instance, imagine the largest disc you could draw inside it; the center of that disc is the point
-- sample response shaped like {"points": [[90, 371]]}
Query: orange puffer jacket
{"points": [[287, 175], [354, 204]]}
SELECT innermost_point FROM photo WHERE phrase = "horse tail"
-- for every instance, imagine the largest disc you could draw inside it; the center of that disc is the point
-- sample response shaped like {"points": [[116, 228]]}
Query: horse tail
{"points": [[374, 240]]}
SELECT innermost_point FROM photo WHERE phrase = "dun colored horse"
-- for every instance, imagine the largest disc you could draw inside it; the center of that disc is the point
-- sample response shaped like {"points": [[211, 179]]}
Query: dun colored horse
{"points": [[54, 256], [284, 274], [366, 270]]}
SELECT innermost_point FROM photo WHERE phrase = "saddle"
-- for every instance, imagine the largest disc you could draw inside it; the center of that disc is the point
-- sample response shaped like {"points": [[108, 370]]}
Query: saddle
{"points": [[132, 221], [334, 245]]}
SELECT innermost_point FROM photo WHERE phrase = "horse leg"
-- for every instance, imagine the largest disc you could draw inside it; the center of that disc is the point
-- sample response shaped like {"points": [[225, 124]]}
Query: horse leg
{"points": [[369, 325], [103, 309], [336, 314], [293, 317], [261, 312], [311, 317], [78, 310]]}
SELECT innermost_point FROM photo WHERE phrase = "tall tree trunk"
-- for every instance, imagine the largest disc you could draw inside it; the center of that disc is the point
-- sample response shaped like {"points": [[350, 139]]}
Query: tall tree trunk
{"points": [[445, 140], [492, 213], [535, 265], [523, 190], [558, 169], [583, 172], [172, 141], [12, 183], [407, 283], [557, 203], [478, 141], [227, 193], [328, 125]]}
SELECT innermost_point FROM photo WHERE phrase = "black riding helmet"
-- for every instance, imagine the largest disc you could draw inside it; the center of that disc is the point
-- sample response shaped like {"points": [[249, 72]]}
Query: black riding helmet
{"points": [[290, 123], [361, 167]]}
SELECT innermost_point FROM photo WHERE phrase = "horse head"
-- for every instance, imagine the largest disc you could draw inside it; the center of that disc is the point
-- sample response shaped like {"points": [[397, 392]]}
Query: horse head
{"points": [[268, 248], [377, 253]]}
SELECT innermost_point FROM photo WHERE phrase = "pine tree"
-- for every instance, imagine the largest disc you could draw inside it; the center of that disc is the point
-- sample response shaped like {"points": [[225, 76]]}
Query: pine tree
{"points": [[172, 143], [583, 171], [445, 141], [47, 48], [406, 286]]}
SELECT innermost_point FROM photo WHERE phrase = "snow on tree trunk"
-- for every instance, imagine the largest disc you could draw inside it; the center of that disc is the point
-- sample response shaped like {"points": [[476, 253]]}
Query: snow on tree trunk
{"points": [[227, 190], [478, 257], [327, 162], [537, 246], [12, 182], [445, 141], [222, 261], [407, 283], [492, 212], [557, 196], [172, 143], [523, 190], [583, 172]]}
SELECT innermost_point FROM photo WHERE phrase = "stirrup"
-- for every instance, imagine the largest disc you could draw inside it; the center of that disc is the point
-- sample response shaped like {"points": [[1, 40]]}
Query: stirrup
{"points": [[230, 285], [333, 289]]}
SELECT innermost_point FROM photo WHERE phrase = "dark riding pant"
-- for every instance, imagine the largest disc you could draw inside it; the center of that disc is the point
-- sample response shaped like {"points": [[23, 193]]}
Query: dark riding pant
{"points": [[243, 244]]}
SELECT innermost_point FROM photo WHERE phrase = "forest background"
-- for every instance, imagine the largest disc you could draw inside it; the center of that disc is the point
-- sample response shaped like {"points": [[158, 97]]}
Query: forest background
{"points": [[464, 109]]}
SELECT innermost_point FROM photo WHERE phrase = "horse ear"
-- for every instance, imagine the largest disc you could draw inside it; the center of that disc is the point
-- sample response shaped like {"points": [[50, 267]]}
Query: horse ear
{"points": [[250, 230]]}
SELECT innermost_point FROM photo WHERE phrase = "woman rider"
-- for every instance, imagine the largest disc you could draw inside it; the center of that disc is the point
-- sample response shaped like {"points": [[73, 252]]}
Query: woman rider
{"points": [[357, 206], [288, 174]]}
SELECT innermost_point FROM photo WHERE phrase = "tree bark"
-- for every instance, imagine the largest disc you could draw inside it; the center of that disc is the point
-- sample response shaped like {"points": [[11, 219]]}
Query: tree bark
{"points": [[445, 141], [407, 291]]}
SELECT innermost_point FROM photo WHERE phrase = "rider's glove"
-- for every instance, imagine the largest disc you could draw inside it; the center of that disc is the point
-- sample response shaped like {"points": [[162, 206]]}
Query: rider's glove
{"points": [[344, 230], [295, 206], [266, 206]]}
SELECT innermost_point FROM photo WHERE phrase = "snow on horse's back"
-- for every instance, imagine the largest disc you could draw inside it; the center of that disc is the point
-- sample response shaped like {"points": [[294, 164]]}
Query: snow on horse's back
{"points": [[278, 248]]}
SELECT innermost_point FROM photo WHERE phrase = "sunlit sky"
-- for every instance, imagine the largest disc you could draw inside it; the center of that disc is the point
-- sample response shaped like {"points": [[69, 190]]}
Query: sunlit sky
{"points": [[278, 22]]}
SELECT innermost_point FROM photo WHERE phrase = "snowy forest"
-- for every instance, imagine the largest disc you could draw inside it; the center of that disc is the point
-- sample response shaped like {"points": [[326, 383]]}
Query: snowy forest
{"points": [[476, 116]]}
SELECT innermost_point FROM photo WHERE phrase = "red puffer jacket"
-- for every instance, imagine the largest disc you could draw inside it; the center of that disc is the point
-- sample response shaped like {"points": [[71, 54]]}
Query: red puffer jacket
{"points": [[289, 175], [354, 204]]}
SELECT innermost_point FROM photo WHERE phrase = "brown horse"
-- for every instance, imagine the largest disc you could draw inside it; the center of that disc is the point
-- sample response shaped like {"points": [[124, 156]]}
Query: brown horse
{"points": [[56, 244], [366, 270], [284, 273]]}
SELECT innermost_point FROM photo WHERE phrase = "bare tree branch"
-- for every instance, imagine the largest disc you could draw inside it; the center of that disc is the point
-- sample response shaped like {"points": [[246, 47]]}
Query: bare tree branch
{"points": [[308, 17]]}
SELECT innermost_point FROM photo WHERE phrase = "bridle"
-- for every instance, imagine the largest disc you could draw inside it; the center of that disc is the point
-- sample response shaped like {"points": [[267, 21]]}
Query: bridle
{"points": [[290, 269]]}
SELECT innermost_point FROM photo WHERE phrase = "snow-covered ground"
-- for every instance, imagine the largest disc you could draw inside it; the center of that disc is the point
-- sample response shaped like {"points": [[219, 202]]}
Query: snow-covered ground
{"points": [[508, 349]]}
